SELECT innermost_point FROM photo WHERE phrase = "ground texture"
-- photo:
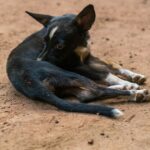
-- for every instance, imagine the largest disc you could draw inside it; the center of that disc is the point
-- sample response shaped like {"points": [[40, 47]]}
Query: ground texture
{"points": [[121, 33]]}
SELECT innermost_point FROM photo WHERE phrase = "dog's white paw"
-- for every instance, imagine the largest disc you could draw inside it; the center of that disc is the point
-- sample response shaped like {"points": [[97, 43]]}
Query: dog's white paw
{"points": [[125, 86], [118, 87], [140, 95], [134, 77], [130, 86], [117, 113], [138, 78]]}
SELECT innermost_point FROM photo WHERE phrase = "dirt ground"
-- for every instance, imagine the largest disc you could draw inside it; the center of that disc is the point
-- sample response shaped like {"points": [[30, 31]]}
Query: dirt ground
{"points": [[121, 33]]}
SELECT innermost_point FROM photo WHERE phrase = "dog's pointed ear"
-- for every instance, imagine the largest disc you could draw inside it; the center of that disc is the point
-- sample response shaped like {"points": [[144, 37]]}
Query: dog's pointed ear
{"points": [[41, 18], [86, 17]]}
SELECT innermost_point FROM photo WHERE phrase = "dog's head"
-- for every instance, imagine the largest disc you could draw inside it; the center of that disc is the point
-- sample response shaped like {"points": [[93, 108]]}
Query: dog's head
{"points": [[67, 35]]}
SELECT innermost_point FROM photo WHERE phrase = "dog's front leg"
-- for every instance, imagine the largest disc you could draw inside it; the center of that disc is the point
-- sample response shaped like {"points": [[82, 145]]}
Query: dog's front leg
{"points": [[114, 68], [108, 72], [104, 76]]}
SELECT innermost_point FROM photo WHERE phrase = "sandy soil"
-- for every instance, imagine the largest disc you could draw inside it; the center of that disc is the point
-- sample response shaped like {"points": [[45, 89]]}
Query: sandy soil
{"points": [[122, 33]]}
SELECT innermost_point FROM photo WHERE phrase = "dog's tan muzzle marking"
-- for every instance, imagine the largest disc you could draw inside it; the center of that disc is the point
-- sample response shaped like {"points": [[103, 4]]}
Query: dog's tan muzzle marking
{"points": [[82, 52]]}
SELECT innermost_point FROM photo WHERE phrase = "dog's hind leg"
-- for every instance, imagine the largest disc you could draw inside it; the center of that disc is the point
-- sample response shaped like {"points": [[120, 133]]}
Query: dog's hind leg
{"points": [[86, 95], [89, 91]]}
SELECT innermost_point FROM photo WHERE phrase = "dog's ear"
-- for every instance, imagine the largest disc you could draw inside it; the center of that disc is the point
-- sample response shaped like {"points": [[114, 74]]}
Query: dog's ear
{"points": [[41, 18], [86, 17]]}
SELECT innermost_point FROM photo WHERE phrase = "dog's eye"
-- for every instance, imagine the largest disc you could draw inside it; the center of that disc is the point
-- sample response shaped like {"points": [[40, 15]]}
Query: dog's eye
{"points": [[60, 46]]}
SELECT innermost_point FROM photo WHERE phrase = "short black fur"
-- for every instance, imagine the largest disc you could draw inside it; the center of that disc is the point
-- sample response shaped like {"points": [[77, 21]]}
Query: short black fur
{"points": [[60, 70]]}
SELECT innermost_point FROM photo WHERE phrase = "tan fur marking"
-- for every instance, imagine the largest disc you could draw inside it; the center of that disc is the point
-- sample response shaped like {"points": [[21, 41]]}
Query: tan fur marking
{"points": [[82, 52], [97, 66], [103, 64], [113, 65]]}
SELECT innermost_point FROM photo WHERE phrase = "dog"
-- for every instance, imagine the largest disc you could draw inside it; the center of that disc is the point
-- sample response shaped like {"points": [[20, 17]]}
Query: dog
{"points": [[56, 62]]}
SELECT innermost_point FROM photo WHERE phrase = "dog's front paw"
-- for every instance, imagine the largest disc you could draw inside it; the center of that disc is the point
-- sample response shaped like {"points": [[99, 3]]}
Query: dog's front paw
{"points": [[138, 78], [140, 95]]}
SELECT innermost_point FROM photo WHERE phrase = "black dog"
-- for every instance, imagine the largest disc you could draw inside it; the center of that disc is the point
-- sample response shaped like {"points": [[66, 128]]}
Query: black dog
{"points": [[56, 62]]}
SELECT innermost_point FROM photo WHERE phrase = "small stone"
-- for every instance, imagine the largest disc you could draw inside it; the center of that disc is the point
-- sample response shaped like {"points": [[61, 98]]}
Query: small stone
{"points": [[92, 43], [143, 29], [107, 39], [5, 123], [58, 4], [130, 56], [56, 121], [107, 19], [120, 63], [6, 141], [102, 134], [91, 142]]}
